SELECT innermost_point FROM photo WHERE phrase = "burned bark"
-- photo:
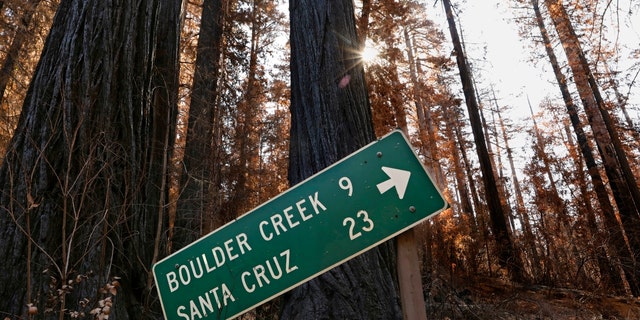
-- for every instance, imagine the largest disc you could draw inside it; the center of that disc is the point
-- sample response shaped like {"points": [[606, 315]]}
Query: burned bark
{"points": [[330, 118], [507, 256], [83, 185]]}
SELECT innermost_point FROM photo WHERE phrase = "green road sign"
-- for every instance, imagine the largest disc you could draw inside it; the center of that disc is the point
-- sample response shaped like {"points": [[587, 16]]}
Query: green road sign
{"points": [[357, 203]]}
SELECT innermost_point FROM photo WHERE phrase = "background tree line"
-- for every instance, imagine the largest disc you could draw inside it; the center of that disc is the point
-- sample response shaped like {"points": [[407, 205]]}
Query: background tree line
{"points": [[129, 130]]}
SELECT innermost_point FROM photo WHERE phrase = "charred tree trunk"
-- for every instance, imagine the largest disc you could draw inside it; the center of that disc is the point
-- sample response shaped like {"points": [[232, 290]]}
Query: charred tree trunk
{"points": [[463, 187], [617, 240], [196, 205], [248, 113], [363, 24], [330, 118], [529, 239], [499, 168], [554, 205], [83, 185], [480, 208], [507, 257], [621, 181], [609, 274]]}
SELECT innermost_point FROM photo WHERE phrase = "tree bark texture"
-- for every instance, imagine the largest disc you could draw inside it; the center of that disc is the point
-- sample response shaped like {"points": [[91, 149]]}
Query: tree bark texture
{"points": [[83, 185], [331, 118]]}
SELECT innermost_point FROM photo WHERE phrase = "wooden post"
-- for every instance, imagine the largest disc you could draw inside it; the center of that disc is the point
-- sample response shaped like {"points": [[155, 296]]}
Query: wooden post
{"points": [[409, 277]]}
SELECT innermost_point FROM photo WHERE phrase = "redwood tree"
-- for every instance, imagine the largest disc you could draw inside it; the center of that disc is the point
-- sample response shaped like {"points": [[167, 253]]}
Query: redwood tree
{"points": [[330, 118], [83, 185], [200, 180]]}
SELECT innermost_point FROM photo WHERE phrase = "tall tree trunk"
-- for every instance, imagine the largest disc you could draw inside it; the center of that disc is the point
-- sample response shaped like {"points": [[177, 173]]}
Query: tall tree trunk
{"points": [[480, 207], [624, 200], [465, 198], [555, 205], [427, 141], [499, 167], [426, 128], [248, 111], [363, 24], [493, 157], [330, 118], [529, 239], [507, 257], [609, 273], [199, 184], [82, 192], [600, 122], [466, 206]]}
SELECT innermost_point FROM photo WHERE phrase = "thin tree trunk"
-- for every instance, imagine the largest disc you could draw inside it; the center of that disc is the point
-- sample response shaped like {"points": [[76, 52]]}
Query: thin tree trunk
{"points": [[465, 199], [600, 122], [496, 168], [611, 276], [480, 208], [426, 141], [247, 115], [529, 239], [625, 205], [507, 257], [555, 204], [426, 129], [499, 168]]}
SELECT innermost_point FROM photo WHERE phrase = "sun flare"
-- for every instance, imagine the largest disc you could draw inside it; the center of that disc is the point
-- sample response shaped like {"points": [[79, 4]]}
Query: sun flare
{"points": [[370, 53]]}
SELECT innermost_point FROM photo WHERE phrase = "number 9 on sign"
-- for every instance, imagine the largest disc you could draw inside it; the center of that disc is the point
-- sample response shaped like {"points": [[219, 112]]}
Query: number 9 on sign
{"points": [[345, 184]]}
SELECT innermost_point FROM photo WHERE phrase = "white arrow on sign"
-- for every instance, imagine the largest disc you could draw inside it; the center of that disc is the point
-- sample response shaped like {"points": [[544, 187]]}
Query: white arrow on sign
{"points": [[397, 178]]}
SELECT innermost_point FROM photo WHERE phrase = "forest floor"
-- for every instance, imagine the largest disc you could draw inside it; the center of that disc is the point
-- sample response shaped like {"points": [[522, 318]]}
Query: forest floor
{"points": [[491, 298]]}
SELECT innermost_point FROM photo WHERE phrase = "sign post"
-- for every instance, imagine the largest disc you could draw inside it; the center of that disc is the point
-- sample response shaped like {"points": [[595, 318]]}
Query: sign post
{"points": [[357, 203]]}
